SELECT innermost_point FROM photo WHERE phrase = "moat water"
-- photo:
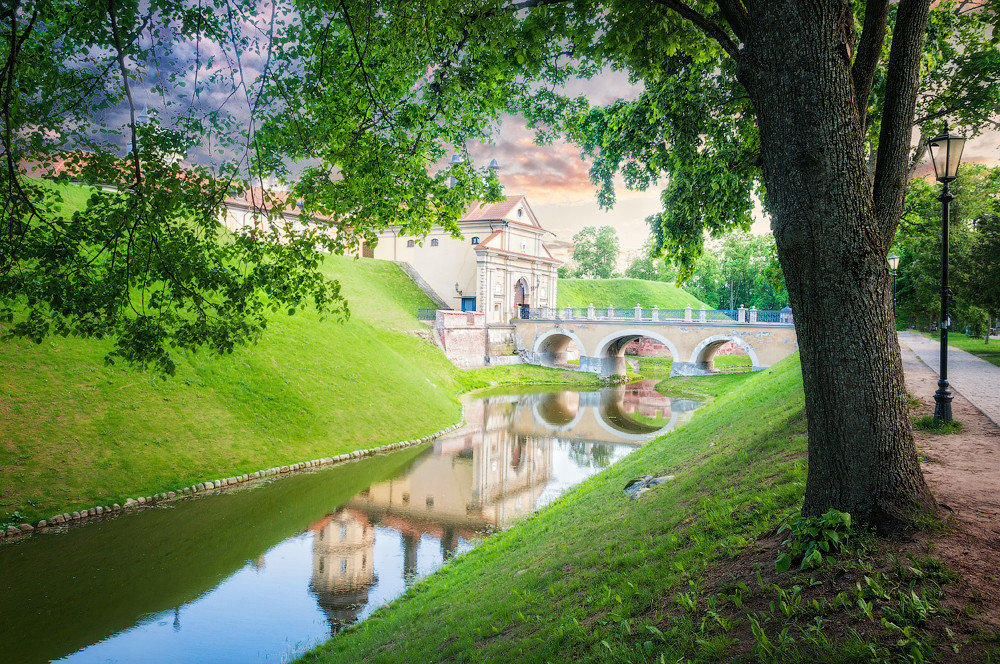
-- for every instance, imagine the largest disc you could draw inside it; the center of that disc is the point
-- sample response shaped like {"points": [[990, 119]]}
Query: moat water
{"points": [[263, 573]]}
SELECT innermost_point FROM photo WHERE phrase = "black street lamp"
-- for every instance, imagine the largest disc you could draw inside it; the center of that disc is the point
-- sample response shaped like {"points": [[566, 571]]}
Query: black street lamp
{"points": [[893, 264], [946, 154]]}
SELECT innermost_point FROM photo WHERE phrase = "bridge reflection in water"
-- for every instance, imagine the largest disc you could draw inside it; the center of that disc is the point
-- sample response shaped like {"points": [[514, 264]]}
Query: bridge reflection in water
{"points": [[517, 453]]}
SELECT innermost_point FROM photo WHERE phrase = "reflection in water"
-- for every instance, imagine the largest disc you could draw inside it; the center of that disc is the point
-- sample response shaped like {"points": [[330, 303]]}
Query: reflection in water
{"points": [[321, 558], [498, 468], [343, 565]]}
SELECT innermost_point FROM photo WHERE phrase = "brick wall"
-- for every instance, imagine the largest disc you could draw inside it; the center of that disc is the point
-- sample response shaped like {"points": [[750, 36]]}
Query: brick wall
{"points": [[646, 347]]}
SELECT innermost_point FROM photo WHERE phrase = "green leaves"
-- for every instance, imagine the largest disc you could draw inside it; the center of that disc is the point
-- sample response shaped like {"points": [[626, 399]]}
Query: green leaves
{"points": [[812, 537], [595, 252]]}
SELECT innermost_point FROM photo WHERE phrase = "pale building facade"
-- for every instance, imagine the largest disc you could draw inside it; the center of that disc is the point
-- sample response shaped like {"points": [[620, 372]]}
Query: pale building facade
{"points": [[499, 266]]}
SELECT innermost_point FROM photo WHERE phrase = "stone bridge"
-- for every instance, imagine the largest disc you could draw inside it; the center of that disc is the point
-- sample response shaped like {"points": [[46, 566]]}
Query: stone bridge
{"points": [[693, 337]]}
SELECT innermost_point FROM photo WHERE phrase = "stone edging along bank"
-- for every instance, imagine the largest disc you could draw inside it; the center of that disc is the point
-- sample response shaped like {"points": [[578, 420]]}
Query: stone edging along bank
{"points": [[132, 504]]}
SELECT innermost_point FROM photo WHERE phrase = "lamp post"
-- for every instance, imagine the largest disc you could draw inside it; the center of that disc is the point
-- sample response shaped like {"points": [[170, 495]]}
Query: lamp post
{"points": [[946, 154], [893, 264]]}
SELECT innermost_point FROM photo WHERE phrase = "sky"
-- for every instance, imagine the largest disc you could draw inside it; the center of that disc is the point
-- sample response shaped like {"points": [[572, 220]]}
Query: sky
{"points": [[554, 179]]}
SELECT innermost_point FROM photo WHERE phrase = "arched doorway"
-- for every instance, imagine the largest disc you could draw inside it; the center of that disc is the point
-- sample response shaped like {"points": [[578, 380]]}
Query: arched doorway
{"points": [[521, 309]]}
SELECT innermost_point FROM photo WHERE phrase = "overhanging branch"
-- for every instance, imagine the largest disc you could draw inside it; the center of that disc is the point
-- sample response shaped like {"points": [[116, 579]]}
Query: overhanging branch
{"points": [[709, 28], [736, 16]]}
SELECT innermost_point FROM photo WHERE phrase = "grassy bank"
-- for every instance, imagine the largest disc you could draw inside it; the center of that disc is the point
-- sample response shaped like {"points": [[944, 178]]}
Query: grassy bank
{"points": [[656, 367], [978, 347], [623, 294], [578, 581], [75, 433], [690, 571]]}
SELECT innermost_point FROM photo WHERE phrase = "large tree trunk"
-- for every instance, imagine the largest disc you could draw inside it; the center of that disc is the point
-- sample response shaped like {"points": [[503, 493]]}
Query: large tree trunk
{"points": [[795, 63]]}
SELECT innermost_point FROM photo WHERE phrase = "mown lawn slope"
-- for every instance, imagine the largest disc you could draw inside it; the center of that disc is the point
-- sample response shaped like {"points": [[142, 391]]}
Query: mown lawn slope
{"points": [[75, 433], [623, 294], [583, 579]]}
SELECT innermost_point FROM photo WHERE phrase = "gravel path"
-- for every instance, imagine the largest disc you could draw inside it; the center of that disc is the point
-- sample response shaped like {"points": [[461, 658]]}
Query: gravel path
{"points": [[963, 472], [974, 378]]}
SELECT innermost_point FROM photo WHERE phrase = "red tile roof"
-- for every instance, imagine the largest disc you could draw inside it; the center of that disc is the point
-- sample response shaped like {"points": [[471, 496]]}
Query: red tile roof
{"points": [[502, 211]]}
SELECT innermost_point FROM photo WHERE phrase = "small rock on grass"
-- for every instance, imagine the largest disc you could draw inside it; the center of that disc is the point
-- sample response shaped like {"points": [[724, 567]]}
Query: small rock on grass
{"points": [[644, 483]]}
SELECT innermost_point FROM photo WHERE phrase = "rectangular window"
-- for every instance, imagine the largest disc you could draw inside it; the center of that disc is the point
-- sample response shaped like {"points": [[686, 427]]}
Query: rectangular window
{"points": [[468, 304]]}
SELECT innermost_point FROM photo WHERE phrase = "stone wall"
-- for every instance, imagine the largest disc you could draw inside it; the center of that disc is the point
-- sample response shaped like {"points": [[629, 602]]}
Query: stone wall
{"points": [[469, 342], [501, 341], [462, 336]]}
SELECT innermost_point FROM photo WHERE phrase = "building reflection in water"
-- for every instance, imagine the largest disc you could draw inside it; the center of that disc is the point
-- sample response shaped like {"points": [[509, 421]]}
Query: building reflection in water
{"points": [[343, 565], [488, 475]]}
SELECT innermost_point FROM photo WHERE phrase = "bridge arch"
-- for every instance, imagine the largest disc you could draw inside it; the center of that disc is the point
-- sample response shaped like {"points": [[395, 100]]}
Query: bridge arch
{"points": [[551, 348], [703, 353], [614, 432], [556, 414], [609, 354], [614, 344]]}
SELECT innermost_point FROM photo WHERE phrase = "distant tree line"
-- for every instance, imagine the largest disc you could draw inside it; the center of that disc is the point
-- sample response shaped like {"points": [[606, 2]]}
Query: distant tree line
{"points": [[740, 270], [974, 256]]}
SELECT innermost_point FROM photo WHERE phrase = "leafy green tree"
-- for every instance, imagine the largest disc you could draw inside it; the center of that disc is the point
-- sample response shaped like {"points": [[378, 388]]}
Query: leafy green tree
{"points": [[642, 267], [984, 274], [144, 261], [595, 252], [646, 266], [706, 282], [741, 270], [918, 243]]}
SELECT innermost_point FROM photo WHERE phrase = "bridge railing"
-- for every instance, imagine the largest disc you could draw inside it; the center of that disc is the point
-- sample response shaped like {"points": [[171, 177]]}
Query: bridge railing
{"points": [[655, 314]]}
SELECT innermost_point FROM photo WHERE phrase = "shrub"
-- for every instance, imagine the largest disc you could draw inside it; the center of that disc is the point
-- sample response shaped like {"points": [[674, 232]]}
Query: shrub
{"points": [[811, 537]]}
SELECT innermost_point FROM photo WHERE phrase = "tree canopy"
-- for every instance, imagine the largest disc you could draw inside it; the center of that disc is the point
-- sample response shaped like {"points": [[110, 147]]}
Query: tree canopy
{"points": [[595, 252]]}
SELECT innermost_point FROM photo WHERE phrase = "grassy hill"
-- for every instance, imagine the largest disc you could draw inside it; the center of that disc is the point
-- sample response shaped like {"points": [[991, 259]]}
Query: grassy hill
{"points": [[624, 294], [584, 579], [75, 433]]}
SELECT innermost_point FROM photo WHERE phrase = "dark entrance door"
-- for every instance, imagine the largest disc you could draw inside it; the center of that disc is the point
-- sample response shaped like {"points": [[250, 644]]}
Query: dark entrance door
{"points": [[521, 298]]}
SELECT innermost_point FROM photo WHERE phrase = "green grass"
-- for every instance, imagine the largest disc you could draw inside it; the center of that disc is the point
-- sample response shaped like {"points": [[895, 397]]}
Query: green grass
{"points": [[75, 433], [690, 571], [978, 347], [623, 294], [584, 579], [927, 423], [656, 367]]}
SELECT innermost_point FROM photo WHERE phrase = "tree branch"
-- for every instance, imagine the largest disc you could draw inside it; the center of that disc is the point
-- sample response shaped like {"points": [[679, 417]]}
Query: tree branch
{"points": [[531, 4], [120, 57], [736, 16], [902, 83], [709, 28], [869, 52]]}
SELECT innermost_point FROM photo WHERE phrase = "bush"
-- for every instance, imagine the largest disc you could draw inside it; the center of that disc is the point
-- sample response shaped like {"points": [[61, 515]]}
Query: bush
{"points": [[811, 537]]}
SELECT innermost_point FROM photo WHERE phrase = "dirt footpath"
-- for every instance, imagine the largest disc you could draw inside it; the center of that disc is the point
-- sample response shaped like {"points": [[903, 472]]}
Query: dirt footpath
{"points": [[963, 472]]}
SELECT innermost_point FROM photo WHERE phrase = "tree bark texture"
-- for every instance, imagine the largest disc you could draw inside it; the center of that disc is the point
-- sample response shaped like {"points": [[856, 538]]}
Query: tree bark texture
{"points": [[796, 65]]}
